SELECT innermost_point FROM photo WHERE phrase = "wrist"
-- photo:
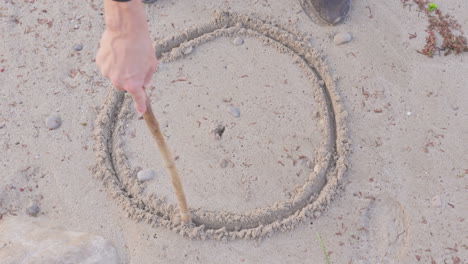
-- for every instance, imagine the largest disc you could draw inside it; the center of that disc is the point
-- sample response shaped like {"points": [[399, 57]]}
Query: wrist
{"points": [[124, 17]]}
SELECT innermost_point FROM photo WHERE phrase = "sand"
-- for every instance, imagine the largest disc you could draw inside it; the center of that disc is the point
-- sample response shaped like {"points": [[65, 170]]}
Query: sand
{"points": [[361, 143]]}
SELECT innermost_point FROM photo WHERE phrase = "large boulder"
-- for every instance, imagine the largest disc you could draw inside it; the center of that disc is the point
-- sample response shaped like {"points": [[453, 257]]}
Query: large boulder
{"points": [[26, 242]]}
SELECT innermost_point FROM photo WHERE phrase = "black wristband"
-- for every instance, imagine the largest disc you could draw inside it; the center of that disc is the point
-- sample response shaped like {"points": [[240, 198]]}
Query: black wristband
{"points": [[122, 0]]}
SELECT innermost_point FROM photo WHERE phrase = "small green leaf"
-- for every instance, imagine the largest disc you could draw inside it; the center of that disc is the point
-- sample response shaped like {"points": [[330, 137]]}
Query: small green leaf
{"points": [[431, 7]]}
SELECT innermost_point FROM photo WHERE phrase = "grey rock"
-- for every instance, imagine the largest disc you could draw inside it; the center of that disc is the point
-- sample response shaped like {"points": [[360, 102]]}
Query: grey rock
{"points": [[26, 242], [33, 209], [437, 202], [238, 41], [188, 50], [306, 163], [78, 47], [162, 67], [223, 163], [342, 38], [219, 131], [53, 122], [317, 214], [146, 175], [235, 112]]}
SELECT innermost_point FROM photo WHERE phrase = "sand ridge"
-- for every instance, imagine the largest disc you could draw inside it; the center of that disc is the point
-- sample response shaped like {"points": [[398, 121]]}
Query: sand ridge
{"points": [[117, 175]]}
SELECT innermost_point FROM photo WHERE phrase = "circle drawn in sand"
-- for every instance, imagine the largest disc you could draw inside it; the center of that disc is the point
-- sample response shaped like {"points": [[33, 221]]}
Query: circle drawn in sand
{"points": [[119, 178]]}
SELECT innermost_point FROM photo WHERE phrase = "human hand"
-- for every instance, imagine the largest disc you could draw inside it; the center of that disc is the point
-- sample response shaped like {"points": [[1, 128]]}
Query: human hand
{"points": [[126, 55]]}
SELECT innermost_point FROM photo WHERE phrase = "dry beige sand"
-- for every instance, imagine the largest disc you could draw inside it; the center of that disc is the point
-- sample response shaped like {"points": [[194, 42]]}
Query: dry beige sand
{"points": [[397, 193]]}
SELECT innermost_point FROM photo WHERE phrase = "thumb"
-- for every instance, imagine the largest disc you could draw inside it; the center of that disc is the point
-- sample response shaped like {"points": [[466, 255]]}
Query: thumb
{"points": [[139, 97]]}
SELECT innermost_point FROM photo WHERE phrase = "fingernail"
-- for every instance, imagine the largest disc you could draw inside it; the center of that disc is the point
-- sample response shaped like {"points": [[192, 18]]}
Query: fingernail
{"points": [[140, 111]]}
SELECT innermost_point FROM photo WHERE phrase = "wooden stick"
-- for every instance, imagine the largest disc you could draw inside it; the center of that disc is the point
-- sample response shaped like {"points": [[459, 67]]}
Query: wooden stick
{"points": [[153, 126]]}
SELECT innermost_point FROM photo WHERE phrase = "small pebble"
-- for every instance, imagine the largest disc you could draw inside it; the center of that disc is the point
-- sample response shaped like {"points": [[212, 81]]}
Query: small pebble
{"points": [[32, 210], [238, 41], [2, 125], [53, 122], [146, 175], [317, 214], [436, 201], [176, 221], [162, 66], [78, 47], [218, 131], [223, 163], [305, 162], [342, 38], [188, 50], [235, 112]]}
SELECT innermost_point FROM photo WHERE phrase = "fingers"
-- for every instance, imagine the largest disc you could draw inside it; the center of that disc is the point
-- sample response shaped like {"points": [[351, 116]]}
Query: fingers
{"points": [[148, 77], [118, 85], [138, 94], [127, 68], [149, 74]]}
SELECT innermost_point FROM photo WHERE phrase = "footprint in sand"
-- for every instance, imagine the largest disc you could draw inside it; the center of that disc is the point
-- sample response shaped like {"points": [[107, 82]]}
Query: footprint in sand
{"points": [[387, 231]]}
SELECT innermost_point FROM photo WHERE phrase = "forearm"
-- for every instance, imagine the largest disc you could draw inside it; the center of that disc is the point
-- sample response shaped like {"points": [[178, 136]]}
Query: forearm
{"points": [[125, 17]]}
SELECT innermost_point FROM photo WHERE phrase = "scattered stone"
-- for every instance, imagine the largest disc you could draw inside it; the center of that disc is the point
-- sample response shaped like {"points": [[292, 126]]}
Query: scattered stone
{"points": [[317, 114], [235, 112], [306, 162], [53, 122], [218, 131], [176, 220], [437, 202], [188, 50], [26, 242], [342, 38], [33, 209], [223, 163], [378, 142], [146, 175], [2, 125], [78, 47], [317, 214], [238, 41], [162, 66]]}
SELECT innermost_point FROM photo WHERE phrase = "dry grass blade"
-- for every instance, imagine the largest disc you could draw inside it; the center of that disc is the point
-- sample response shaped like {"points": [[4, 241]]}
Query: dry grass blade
{"points": [[323, 248]]}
